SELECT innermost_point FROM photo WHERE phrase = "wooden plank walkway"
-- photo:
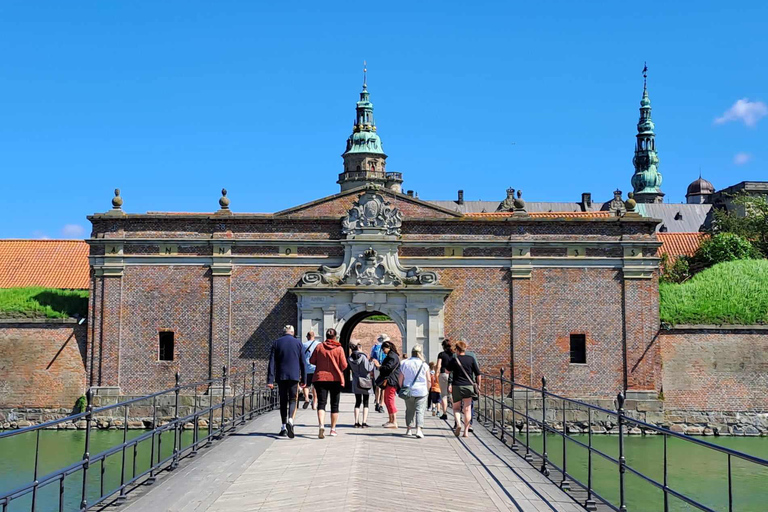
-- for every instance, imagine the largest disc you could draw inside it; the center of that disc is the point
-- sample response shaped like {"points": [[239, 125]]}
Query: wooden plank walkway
{"points": [[379, 468]]}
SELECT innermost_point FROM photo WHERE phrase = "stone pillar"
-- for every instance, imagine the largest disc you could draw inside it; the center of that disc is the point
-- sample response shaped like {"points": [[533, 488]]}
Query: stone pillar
{"points": [[411, 329], [641, 320], [521, 312], [435, 334], [221, 303]]}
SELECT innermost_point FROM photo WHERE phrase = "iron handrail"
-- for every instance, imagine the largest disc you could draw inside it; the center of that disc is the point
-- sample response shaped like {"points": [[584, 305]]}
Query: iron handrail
{"points": [[622, 420], [643, 424], [249, 401]]}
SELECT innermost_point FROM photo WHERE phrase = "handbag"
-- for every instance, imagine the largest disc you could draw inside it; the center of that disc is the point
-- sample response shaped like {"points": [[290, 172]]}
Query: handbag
{"points": [[364, 383], [405, 391], [474, 384]]}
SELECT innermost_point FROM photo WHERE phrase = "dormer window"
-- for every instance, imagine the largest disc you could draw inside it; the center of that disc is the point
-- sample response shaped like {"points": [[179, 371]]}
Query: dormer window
{"points": [[678, 216]]}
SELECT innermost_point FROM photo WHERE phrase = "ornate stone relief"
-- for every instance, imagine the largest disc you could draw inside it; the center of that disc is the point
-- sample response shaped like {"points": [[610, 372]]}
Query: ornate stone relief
{"points": [[371, 213], [372, 227]]}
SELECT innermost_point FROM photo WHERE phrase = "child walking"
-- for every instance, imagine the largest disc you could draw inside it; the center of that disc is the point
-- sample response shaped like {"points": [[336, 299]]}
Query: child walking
{"points": [[434, 391]]}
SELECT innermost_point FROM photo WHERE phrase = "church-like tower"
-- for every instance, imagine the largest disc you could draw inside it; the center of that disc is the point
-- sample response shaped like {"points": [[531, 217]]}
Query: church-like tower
{"points": [[646, 181], [364, 158]]}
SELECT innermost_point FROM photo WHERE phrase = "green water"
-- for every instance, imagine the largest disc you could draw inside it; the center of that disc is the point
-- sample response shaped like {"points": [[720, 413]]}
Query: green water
{"points": [[695, 471], [59, 449]]}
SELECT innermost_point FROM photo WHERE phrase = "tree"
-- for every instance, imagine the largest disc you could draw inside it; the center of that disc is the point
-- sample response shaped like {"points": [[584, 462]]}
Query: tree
{"points": [[749, 220], [723, 247]]}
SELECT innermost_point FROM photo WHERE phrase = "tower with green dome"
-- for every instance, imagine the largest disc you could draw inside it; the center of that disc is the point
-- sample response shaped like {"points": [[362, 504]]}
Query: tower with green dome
{"points": [[646, 181], [364, 158]]}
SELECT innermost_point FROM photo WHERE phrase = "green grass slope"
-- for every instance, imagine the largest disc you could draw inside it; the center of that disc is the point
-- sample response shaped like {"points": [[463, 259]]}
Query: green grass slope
{"points": [[735, 292], [42, 303]]}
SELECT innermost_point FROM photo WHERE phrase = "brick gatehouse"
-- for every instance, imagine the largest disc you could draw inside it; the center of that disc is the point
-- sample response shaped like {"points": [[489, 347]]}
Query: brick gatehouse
{"points": [[572, 296]]}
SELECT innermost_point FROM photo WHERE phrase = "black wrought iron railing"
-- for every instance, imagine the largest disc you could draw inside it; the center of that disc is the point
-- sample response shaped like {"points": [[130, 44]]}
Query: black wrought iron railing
{"points": [[545, 414], [221, 405]]}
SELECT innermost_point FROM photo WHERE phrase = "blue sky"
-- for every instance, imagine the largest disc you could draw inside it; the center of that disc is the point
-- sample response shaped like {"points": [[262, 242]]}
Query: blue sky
{"points": [[171, 101]]}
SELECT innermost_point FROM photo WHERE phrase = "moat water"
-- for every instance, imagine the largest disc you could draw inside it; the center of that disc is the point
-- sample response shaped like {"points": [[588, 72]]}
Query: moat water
{"points": [[693, 470]]}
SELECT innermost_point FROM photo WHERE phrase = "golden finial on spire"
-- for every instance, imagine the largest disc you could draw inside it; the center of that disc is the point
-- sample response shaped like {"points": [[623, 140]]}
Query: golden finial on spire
{"points": [[365, 75]]}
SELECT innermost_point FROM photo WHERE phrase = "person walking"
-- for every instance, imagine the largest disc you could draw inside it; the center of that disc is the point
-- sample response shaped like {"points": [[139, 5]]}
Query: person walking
{"points": [[286, 366], [415, 381], [362, 384], [434, 389], [330, 363], [308, 347], [443, 358], [389, 371], [466, 374], [378, 355]]}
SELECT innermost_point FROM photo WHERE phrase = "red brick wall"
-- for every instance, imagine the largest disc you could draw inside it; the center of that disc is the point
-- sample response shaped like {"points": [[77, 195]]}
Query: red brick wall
{"points": [[715, 370], [176, 298], [366, 333], [556, 303], [42, 364], [477, 312]]}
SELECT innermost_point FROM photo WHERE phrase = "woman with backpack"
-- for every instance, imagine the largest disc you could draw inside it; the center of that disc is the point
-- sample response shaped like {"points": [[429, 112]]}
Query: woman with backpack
{"points": [[415, 381], [389, 371], [362, 383]]}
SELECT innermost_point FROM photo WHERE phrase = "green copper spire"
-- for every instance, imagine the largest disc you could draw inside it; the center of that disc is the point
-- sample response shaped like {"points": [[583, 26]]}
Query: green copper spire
{"points": [[364, 157], [647, 179]]}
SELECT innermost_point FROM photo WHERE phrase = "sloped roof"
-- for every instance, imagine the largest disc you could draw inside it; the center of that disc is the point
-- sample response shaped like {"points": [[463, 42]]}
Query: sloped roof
{"points": [[532, 206], [46, 263], [547, 215], [678, 218], [680, 244]]}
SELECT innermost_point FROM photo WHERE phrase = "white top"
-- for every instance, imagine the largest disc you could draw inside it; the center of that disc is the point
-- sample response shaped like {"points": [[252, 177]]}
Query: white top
{"points": [[409, 367]]}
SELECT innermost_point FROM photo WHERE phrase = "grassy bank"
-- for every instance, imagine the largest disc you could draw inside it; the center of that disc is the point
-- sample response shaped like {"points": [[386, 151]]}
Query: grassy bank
{"points": [[735, 292], [42, 303]]}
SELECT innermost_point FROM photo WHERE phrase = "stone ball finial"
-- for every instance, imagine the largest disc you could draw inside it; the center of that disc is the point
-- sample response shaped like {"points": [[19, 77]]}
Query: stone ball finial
{"points": [[224, 200], [519, 202], [117, 201], [630, 203]]}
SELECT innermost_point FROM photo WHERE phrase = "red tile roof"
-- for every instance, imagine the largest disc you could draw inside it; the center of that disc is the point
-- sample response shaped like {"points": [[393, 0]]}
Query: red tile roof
{"points": [[547, 215], [680, 244], [46, 263]]}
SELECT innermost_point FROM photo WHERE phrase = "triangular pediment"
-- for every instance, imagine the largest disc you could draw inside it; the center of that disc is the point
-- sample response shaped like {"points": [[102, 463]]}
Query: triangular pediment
{"points": [[339, 204]]}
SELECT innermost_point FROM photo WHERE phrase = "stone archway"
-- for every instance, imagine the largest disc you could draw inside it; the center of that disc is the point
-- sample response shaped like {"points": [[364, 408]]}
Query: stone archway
{"points": [[371, 278]]}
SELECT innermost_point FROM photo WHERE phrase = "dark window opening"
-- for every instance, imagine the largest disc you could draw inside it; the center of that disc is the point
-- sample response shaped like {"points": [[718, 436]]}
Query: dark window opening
{"points": [[166, 345], [578, 348]]}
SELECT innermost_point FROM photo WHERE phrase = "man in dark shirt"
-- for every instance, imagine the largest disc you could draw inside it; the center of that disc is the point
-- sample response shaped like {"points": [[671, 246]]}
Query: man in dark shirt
{"points": [[286, 366], [443, 358]]}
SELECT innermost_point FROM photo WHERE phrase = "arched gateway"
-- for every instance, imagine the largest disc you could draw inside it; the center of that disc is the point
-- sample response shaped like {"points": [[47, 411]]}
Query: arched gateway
{"points": [[372, 279]]}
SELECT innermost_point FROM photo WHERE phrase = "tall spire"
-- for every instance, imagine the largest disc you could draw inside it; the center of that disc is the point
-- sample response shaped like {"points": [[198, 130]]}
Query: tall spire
{"points": [[364, 157], [646, 181]]}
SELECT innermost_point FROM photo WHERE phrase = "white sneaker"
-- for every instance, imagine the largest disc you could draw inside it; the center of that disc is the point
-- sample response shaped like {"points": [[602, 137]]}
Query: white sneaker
{"points": [[419, 434], [408, 433]]}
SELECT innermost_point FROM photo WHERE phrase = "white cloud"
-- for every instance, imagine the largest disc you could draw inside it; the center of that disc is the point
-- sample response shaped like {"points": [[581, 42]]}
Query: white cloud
{"points": [[40, 235], [750, 112], [73, 231], [742, 158]]}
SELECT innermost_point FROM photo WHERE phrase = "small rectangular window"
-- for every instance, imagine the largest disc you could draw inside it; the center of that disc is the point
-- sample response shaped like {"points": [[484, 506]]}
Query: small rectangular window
{"points": [[578, 348], [166, 345]]}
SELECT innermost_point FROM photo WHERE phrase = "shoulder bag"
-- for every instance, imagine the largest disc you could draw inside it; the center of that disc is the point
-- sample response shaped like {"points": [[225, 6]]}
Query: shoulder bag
{"points": [[363, 382], [474, 384], [405, 391]]}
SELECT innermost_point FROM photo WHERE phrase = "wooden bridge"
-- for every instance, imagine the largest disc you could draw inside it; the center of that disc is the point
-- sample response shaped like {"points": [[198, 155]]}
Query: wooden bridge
{"points": [[254, 469]]}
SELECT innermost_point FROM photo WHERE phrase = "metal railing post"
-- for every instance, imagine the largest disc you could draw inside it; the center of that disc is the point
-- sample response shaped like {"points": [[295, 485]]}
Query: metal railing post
{"points": [[544, 470], [151, 478], [195, 426], [242, 410], [622, 460], [493, 406], [528, 455], [253, 386], [86, 451], [564, 483], [666, 493], [223, 401], [589, 504], [486, 421], [122, 497], [501, 396], [176, 436], [514, 420], [37, 460]]}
